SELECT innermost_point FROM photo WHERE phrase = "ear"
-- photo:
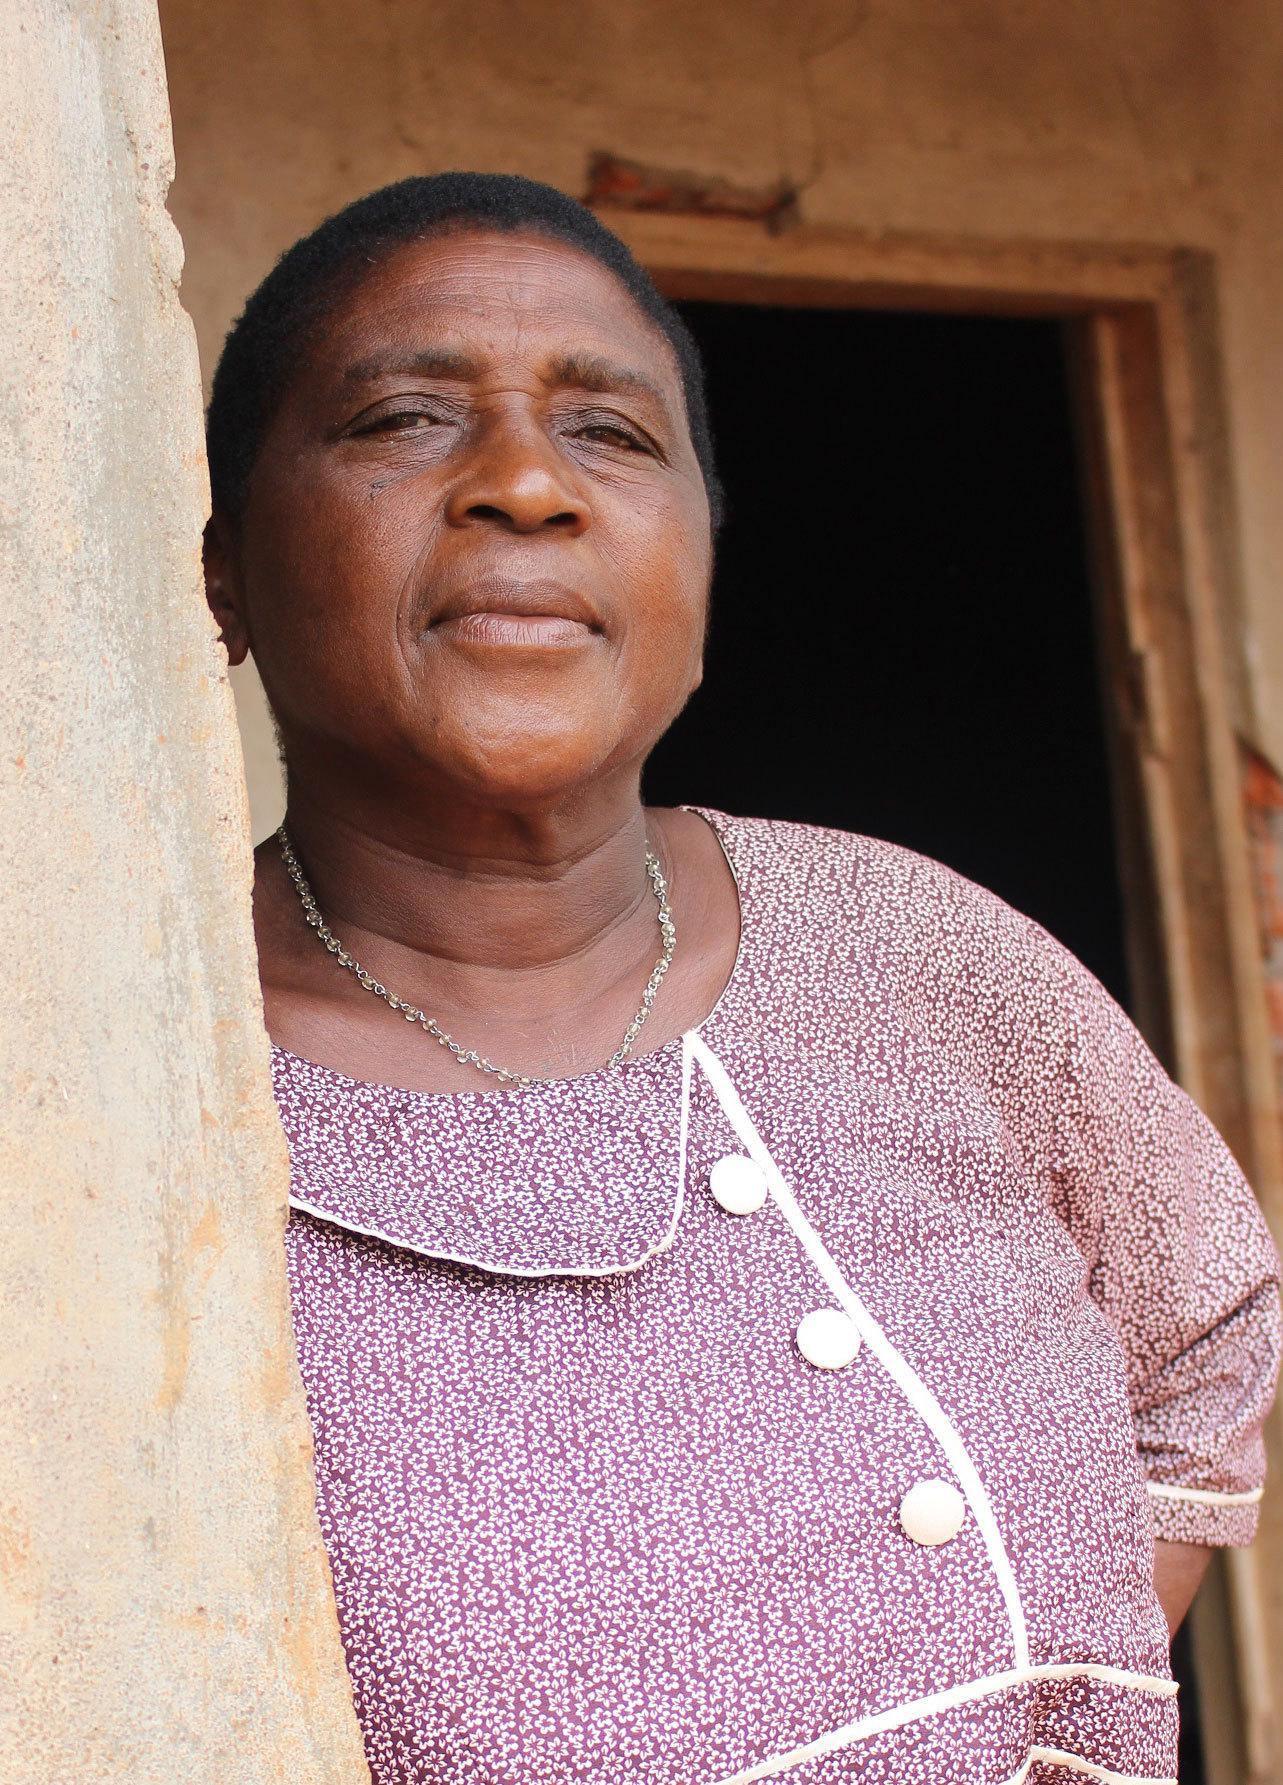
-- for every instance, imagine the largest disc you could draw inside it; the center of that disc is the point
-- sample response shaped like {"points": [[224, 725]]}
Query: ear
{"points": [[223, 589]]}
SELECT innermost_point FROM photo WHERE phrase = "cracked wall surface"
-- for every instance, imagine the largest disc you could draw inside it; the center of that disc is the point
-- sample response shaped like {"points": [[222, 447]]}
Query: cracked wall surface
{"points": [[165, 1617]]}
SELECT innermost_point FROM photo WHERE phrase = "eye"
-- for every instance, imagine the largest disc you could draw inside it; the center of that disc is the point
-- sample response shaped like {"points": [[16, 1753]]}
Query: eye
{"points": [[398, 421], [400, 414], [612, 432]]}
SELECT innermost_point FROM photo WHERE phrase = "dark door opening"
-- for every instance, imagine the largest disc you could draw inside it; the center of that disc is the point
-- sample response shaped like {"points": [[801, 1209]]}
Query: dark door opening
{"points": [[902, 640]]}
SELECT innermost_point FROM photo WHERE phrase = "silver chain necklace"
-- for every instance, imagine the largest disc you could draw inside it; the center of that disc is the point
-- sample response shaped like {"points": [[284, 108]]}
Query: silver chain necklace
{"points": [[468, 1056]]}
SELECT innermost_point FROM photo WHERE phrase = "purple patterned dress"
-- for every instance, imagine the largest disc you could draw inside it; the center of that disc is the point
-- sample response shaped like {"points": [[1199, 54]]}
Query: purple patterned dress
{"points": [[801, 1400]]}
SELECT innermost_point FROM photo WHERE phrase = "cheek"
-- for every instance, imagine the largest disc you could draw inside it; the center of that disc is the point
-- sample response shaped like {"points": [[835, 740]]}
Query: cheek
{"points": [[324, 578], [667, 575]]}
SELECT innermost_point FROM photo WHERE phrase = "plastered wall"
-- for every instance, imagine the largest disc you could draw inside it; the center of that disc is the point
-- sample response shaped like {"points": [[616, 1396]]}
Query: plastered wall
{"points": [[1158, 121], [165, 1616]]}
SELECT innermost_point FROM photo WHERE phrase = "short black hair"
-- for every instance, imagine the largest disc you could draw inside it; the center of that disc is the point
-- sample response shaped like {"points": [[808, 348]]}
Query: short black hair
{"points": [[260, 354]]}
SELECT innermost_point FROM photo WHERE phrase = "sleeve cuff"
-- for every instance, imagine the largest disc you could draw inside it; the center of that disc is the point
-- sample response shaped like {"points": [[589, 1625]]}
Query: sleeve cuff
{"points": [[1197, 1515]]}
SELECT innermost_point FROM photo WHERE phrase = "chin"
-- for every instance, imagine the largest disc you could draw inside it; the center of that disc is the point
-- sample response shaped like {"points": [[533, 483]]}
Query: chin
{"points": [[533, 770], [540, 751]]}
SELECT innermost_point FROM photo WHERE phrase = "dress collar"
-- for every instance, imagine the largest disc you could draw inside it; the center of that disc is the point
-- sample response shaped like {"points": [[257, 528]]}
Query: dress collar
{"points": [[578, 1177]]}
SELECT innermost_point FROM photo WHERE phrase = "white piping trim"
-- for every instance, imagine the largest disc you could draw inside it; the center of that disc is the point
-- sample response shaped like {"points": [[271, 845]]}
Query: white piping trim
{"points": [[481, 1264], [901, 1372], [1074, 1763], [968, 1693], [1202, 1496], [1109, 1676]]}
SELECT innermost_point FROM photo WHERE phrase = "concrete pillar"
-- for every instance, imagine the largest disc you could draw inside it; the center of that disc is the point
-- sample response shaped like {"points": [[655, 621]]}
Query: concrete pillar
{"points": [[165, 1612]]}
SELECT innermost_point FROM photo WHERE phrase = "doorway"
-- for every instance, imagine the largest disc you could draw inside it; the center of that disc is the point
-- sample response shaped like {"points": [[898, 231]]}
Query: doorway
{"points": [[903, 639]]}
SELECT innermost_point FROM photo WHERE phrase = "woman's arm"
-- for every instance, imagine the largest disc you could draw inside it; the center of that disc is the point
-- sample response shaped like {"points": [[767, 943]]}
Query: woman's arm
{"points": [[1177, 1254], [1180, 1263], [1179, 1259], [1178, 1571]]}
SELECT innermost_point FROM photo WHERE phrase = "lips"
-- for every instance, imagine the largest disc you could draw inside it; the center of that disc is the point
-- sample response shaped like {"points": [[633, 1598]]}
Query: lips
{"points": [[502, 612]]}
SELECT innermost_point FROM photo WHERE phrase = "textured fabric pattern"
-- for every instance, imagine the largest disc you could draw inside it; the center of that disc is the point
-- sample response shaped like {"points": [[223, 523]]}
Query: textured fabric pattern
{"points": [[591, 1514], [488, 1190]]}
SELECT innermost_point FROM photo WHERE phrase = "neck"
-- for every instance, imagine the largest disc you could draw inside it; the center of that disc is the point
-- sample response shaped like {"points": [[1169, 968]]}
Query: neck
{"points": [[477, 885], [528, 934]]}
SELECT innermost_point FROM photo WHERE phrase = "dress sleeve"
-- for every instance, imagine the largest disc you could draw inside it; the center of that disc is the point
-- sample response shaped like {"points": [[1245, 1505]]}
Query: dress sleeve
{"points": [[1181, 1262]]}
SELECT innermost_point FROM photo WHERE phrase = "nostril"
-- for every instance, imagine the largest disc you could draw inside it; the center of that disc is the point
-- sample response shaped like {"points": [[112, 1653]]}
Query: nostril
{"points": [[564, 519]]}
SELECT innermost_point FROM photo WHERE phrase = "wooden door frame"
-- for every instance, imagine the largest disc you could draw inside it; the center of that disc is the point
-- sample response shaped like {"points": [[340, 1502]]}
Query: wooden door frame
{"points": [[1145, 333]]}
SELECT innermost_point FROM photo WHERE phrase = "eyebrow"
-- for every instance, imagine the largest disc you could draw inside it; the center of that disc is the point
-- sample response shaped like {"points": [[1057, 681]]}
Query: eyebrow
{"points": [[593, 372], [577, 371], [431, 362]]}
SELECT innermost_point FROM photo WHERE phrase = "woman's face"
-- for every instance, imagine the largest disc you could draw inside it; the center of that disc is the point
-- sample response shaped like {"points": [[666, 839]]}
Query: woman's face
{"points": [[476, 547]]}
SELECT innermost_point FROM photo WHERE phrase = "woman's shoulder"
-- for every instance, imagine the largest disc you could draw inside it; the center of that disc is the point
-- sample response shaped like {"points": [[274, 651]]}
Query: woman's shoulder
{"points": [[846, 909], [892, 888], [851, 929]]}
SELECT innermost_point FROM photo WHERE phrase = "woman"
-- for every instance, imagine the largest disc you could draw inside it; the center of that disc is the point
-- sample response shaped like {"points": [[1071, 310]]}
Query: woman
{"points": [[763, 1310]]}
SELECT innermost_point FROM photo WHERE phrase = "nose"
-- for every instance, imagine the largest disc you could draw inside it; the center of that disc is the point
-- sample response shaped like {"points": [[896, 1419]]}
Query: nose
{"points": [[516, 479]]}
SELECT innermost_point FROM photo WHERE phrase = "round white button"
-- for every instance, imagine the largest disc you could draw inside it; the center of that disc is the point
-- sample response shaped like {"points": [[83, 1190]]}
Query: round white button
{"points": [[738, 1185], [828, 1339], [932, 1513]]}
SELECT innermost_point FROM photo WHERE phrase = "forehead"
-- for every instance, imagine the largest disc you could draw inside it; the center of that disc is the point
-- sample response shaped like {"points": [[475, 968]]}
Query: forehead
{"points": [[495, 296]]}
